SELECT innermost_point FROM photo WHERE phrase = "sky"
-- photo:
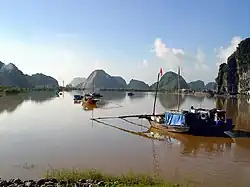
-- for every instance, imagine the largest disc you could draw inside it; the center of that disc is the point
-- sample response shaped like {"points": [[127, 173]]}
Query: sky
{"points": [[128, 38]]}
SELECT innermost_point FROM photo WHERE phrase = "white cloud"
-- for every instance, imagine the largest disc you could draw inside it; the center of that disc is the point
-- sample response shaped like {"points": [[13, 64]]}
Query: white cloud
{"points": [[173, 57], [224, 52], [200, 63], [192, 66]]}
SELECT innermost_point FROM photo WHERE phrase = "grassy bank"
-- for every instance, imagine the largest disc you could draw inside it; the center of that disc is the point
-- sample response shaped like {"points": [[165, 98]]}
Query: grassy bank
{"points": [[97, 177]]}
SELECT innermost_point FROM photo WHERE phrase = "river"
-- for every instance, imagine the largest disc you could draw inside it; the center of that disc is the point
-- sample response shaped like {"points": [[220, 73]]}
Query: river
{"points": [[40, 131]]}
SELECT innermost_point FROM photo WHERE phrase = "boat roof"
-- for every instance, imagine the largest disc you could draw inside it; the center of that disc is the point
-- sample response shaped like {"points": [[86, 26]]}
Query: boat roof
{"points": [[176, 111], [206, 109]]}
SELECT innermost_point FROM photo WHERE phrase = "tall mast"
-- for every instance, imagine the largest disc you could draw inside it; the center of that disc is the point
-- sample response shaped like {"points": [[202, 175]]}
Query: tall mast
{"points": [[178, 89], [156, 90]]}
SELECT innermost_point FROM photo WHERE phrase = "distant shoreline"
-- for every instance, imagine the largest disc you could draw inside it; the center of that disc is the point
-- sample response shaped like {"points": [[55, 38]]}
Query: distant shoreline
{"points": [[13, 90], [4, 91]]}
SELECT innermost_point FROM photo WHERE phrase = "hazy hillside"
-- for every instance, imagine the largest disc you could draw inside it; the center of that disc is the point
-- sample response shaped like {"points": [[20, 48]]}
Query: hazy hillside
{"points": [[10, 75], [76, 81], [169, 81], [100, 79], [137, 84], [197, 85]]}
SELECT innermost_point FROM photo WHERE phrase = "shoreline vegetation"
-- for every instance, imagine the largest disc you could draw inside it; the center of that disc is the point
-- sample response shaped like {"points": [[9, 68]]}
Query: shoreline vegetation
{"points": [[89, 178], [93, 177], [14, 90]]}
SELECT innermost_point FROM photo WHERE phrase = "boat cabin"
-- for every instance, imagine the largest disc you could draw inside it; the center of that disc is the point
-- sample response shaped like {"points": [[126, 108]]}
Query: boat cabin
{"points": [[78, 97], [184, 117], [172, 118]]}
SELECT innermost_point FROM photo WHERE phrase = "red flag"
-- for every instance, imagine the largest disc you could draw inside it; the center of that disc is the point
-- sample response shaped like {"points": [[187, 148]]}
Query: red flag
{"points": [[161, 71]]}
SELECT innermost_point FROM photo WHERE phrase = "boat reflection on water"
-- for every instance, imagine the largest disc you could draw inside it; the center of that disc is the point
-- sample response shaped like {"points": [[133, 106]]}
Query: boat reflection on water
{"points": [[193, 144], [189, 144], [186, 148], [77, 101]]}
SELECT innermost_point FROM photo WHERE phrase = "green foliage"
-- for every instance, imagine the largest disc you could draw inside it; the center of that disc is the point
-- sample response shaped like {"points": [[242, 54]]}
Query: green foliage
{"points": [[242, 76], [243, 55], [222, 77]]}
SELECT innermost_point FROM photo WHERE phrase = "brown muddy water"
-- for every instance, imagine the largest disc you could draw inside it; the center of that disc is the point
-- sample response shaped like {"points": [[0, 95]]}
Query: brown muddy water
{"points": [[39, 131]]}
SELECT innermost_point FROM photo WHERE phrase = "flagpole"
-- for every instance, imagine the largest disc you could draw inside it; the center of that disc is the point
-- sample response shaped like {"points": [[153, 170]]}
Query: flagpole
{"points": [[157, 83]]}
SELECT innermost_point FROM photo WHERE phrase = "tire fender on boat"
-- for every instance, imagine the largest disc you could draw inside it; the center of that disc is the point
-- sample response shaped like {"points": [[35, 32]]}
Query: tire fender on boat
{"points": [[203, 116]]}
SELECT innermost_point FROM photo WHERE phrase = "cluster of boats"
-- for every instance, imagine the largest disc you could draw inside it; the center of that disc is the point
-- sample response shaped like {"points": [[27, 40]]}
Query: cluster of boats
{"points": [[87, 98]]}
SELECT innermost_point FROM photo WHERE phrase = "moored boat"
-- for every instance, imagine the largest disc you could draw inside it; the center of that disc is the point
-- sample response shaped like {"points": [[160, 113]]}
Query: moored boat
{"points": [[78, 97], [96, 95], [130, 93], [197, 122], [89, 100], [89, 106]]}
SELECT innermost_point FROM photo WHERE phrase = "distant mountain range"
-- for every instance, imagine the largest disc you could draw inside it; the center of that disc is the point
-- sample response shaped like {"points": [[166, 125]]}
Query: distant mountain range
{"points": [[200, 85], [102, 80], [11, 76]]}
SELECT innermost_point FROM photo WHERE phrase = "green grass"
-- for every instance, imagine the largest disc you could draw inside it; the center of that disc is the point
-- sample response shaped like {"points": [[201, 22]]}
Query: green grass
{"points": [[128, 179]]}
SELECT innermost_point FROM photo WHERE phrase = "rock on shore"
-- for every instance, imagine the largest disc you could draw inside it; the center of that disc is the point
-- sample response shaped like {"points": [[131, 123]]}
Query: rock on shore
{"points": [[51, 183]]}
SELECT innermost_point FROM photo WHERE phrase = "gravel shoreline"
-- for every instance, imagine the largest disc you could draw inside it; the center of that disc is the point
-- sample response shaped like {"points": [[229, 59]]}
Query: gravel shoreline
{"points": [[51, 183]]}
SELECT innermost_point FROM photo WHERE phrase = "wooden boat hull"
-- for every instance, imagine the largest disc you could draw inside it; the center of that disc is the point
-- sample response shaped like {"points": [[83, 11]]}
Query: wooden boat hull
{"points": [[89, 101], [87, 106], [196, 130], [176, 129]]}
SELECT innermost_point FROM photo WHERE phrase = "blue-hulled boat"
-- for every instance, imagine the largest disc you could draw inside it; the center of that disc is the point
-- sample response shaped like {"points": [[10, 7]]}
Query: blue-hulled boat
{"points": [[197, 122], [78, 97]]}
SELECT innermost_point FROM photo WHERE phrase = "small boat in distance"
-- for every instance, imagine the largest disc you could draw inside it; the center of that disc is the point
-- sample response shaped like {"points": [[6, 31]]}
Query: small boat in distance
{"points": [[130, 93], [89, 100], [89, 106], [96, 95]]}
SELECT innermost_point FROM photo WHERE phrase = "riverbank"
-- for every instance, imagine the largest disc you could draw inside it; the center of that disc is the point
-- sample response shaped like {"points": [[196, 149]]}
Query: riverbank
{"points": [[88, 178]]}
